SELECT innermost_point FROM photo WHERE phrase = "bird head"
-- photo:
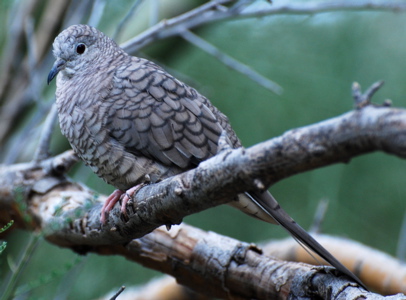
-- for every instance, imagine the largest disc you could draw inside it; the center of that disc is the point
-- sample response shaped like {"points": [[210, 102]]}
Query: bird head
{"points": [[75, 48]]}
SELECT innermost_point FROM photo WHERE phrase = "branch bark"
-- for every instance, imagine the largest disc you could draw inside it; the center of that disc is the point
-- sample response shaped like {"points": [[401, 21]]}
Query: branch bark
{"points": [[379, 270]]}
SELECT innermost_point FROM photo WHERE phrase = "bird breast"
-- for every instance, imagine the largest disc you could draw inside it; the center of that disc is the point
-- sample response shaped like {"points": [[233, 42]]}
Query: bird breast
{"points": [[83, 114]]}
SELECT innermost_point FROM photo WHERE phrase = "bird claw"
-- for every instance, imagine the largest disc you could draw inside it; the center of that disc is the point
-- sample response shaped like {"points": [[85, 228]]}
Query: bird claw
{"points": [[109, 203], [115, 197], [128, 196]]}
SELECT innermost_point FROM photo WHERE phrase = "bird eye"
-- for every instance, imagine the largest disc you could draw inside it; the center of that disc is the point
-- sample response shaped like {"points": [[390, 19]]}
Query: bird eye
{"points": [[80, 48]]}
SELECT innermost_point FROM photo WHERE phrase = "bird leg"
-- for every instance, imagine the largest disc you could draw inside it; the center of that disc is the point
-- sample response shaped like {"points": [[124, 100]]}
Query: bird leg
{"points": [[109, 203], [128, 196], [132, 191], [115, 197]]}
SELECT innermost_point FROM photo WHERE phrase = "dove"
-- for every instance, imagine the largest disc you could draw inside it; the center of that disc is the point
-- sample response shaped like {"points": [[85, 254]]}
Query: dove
{"points": [[133, 124]]}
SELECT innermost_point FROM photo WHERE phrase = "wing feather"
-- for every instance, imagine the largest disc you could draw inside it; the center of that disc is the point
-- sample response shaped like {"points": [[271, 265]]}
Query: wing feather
{"points": [[160, 118]]}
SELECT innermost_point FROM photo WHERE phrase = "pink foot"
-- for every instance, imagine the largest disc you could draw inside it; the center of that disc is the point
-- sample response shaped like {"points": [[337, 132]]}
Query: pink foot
{"points": [[109, 203], [127, 197]]}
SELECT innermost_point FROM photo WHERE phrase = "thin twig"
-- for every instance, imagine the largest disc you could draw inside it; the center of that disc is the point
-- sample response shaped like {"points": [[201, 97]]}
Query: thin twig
{"points": [[126, 18], [97, 12], [118, 293], [13, 46], [364, 99], [213, 11], [315, 7], [401, 248], [31, 45], [154, 12], [231, 62], [77, 12], [21, 137], [319, 216], [169, 27], [42, 151]]}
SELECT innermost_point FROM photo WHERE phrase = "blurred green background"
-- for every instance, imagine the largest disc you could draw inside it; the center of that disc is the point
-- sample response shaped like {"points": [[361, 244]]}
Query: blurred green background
{"points": [[315, 59]]}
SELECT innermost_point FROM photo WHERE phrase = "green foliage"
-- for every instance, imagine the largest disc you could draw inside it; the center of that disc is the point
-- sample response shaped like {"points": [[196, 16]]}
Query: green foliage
{"points": [[20, 201], [7, 226], [34, 280], [49, 276], [8, 286], [3, 245]]}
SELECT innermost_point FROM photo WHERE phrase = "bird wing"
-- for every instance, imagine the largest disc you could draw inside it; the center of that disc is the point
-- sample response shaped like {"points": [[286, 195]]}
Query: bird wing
{"points": [[155, 115]]}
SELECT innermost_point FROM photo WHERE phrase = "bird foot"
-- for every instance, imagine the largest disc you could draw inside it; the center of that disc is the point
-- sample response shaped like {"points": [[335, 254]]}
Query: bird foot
{"points": [[128, 196], [109, 203], [115, 197]]}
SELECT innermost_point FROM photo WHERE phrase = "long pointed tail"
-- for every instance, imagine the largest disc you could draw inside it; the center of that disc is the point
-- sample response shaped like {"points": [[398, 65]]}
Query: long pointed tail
{"points": [[275, 213]]}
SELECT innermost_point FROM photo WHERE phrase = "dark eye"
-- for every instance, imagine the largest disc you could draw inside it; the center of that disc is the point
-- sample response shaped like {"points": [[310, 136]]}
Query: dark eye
{"points": [[80, 48]]}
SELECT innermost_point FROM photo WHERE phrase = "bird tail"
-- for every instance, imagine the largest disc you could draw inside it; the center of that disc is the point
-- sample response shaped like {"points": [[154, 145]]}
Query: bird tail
{"points": [[271, 212]]}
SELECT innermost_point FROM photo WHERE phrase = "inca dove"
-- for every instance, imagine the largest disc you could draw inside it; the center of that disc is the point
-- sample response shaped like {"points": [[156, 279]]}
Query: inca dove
{"points": [[130, 120]]}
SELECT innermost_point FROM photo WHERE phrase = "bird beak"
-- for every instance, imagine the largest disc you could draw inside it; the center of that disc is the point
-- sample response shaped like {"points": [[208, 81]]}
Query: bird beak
{"points": [[58, 65]]}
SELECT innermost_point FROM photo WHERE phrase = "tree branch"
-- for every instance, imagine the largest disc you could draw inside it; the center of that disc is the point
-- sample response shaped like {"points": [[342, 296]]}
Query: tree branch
{"points": [[232, 62], [214, 11], [217, 180], [379, 270], [67, 215]]}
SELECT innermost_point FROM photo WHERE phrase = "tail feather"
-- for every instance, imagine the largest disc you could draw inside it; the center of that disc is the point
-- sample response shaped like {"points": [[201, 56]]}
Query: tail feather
{"points": [[271, 207]]}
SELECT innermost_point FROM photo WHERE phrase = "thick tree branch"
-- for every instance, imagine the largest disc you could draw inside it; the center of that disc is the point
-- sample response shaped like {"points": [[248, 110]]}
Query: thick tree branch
{"points": [[68, 218], [217, 180], [379, 270], [226, 268], [65, 213]]}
